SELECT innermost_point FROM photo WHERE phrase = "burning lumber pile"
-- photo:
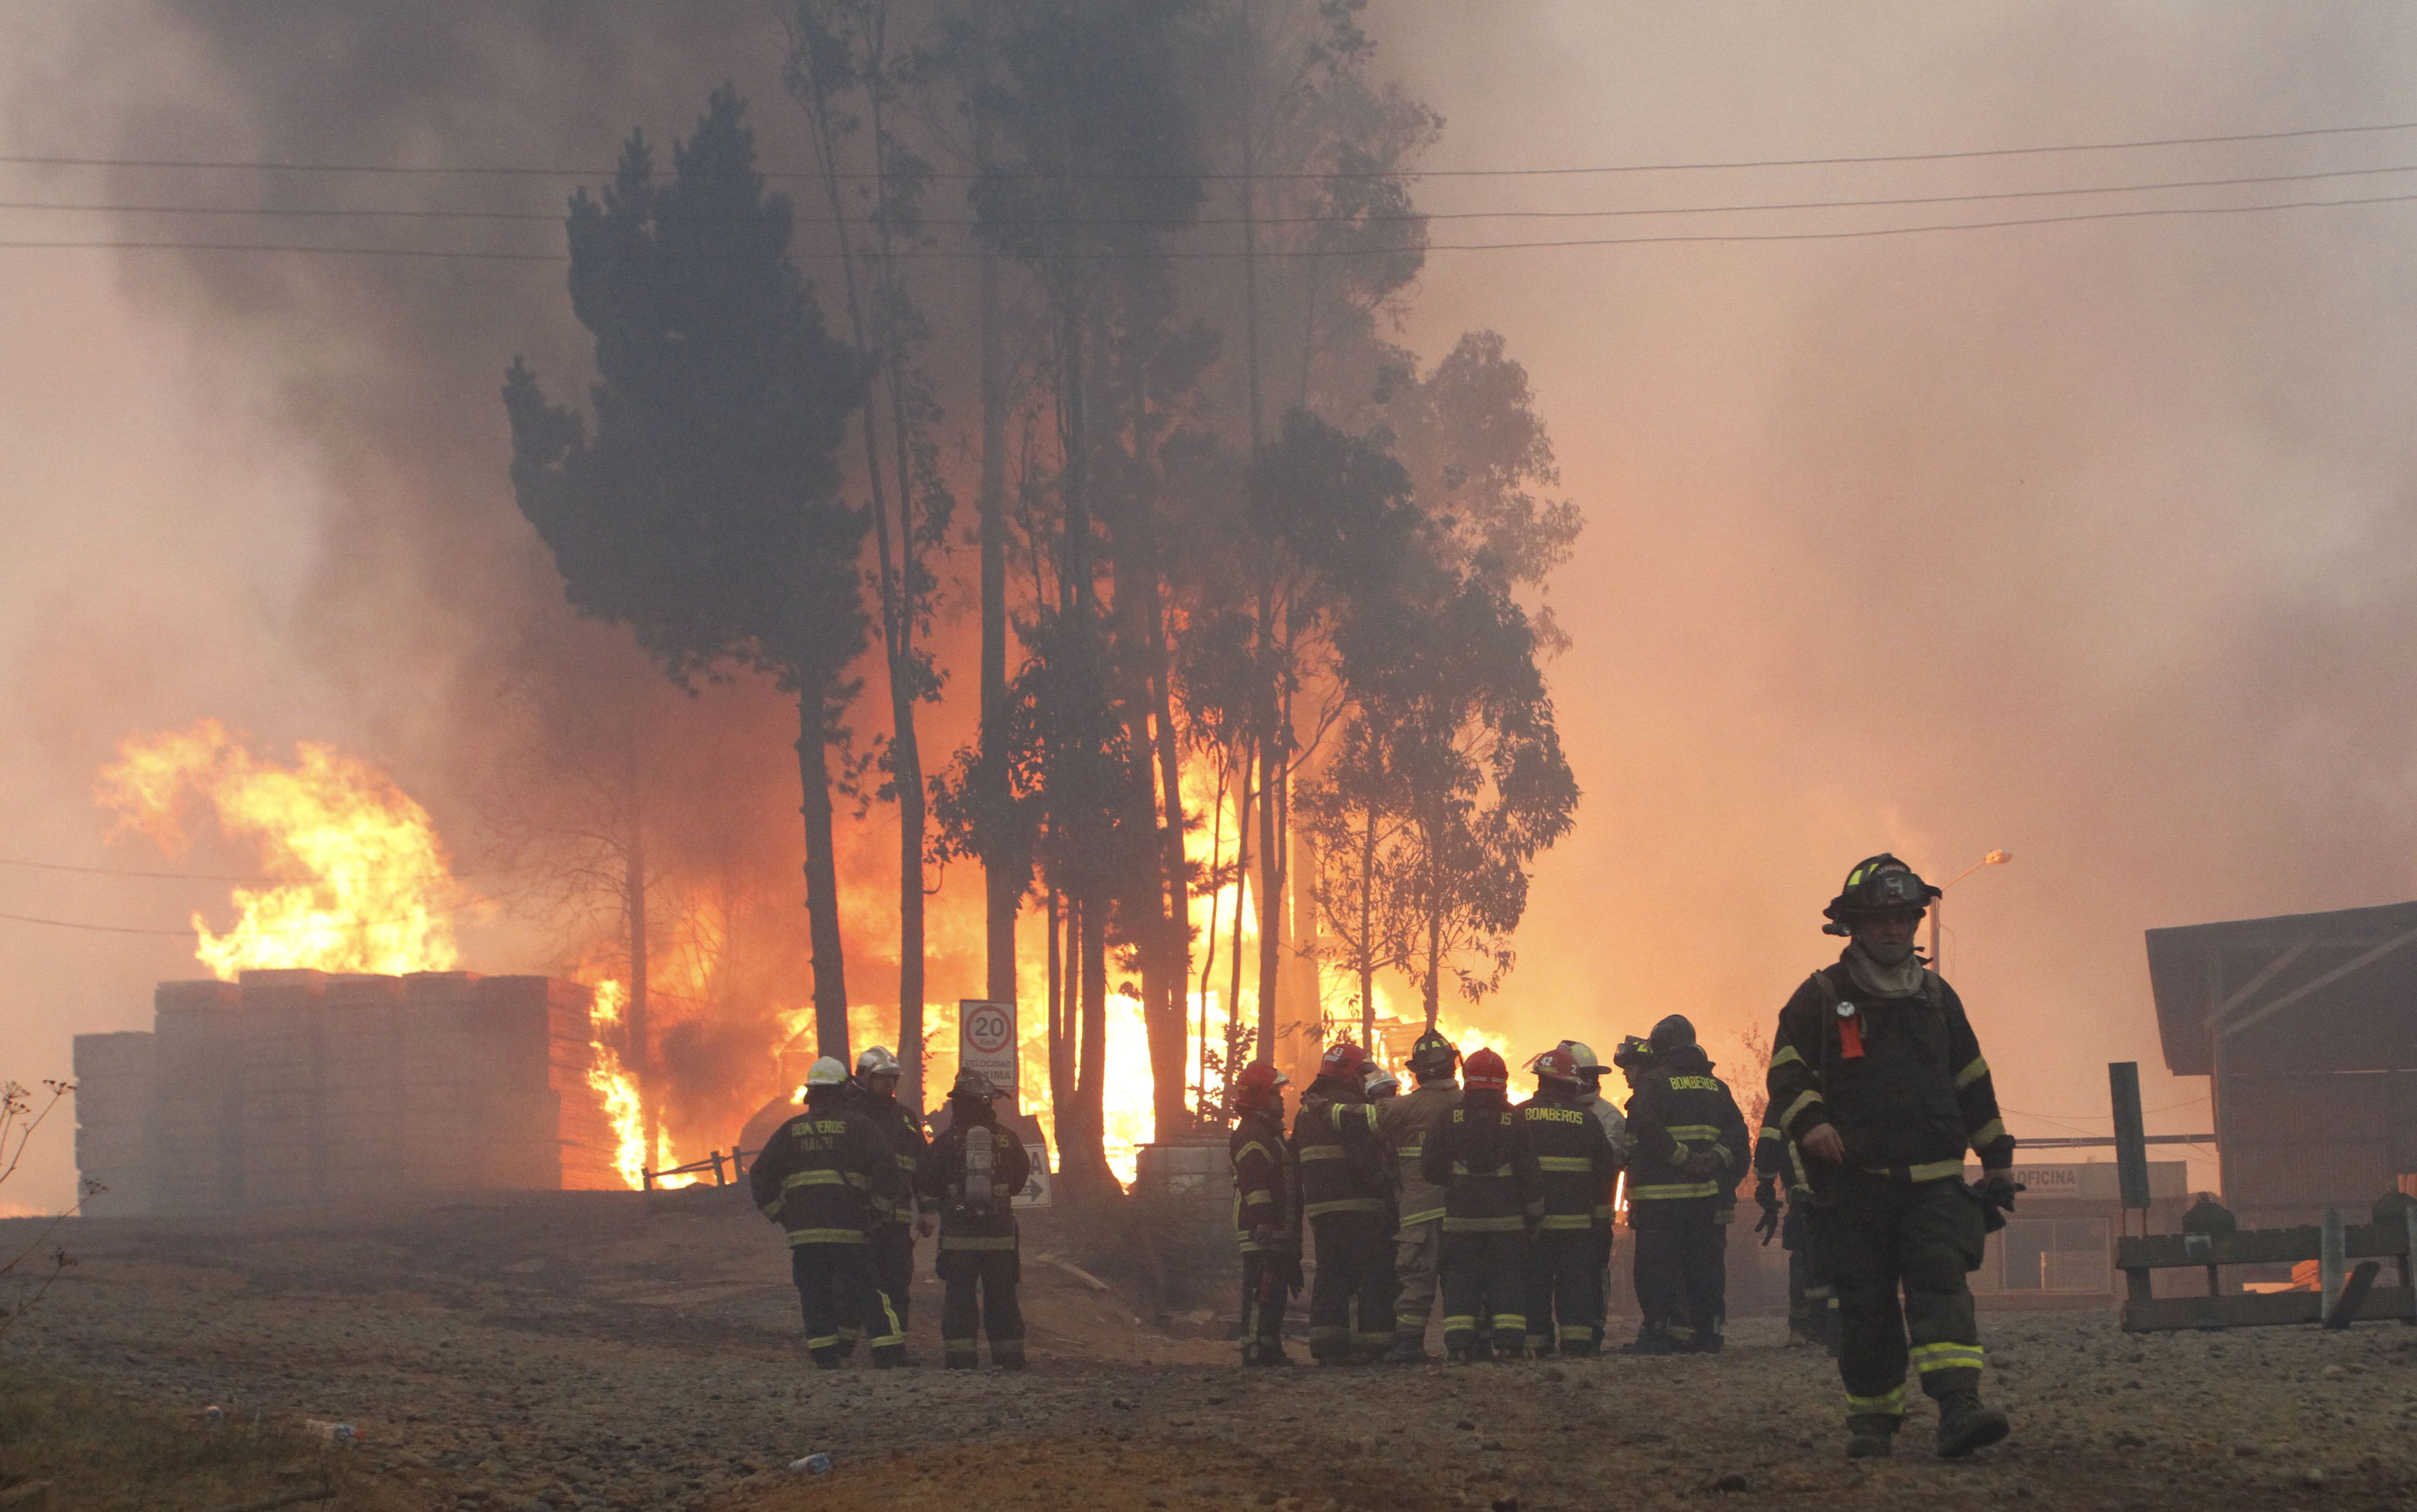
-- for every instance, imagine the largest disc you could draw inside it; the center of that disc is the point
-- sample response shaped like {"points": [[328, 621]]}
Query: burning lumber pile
{"points": [[299, 1086]]}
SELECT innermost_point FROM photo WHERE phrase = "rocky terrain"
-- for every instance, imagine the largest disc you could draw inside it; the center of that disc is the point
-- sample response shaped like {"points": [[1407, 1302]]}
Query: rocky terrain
{"points": [[606, 1352]]}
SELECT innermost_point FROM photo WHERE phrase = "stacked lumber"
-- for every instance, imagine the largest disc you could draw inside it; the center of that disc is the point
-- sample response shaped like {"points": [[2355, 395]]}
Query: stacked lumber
{"points": [[113, 1105], [295, 1086]]}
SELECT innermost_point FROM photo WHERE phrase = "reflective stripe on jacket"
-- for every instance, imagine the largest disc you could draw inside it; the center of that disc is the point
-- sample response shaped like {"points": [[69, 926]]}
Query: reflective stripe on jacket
{"points": [[1574, 1164], [1263, 1179], [1405, 1123], [821, 1175], [1334, 1146], [1480, 1157], [1679, 1111]]}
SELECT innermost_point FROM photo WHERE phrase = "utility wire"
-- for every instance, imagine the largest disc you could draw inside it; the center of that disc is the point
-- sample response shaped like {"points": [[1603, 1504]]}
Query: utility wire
{"points": [[1673, 238], [189, 933], [231, 877], [555, 218], [263, 165]]}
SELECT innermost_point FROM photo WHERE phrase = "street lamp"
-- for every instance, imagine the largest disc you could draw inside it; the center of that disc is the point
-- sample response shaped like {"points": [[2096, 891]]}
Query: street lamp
{"points": [[1939, 904]]}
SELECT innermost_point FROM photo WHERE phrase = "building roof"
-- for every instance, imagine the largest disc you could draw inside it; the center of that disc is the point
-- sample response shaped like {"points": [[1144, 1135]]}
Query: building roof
{"points": [[2299, 992]]}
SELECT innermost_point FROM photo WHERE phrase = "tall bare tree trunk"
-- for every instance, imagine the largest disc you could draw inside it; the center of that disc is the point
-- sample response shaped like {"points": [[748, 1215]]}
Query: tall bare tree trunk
{"points": [[638, 1048], [822, 879], [1002, 888], [1367, 943], [1061, 1040]]}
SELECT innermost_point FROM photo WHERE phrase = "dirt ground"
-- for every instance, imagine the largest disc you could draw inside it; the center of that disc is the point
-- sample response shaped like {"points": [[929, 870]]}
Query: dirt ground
{"points": [[599, 1351]]}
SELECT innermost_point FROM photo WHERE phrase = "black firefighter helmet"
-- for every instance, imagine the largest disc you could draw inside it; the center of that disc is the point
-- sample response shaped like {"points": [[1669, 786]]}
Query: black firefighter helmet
{"points": [[1879, 885]]}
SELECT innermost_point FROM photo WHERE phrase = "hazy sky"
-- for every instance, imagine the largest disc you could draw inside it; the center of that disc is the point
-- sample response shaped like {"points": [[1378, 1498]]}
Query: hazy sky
{"points": [[2087, 540]]}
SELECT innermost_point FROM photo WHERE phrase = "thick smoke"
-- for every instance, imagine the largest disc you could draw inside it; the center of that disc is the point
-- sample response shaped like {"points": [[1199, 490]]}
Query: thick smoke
{"points": [[2085, 540]]}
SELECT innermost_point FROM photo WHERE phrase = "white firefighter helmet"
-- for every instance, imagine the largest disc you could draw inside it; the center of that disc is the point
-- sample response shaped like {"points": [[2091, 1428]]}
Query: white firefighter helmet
{"points": [[831, 1071]]}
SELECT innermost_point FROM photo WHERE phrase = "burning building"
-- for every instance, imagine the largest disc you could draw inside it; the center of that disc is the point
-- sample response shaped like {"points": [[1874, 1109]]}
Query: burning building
{"points": [[287, 1087]]}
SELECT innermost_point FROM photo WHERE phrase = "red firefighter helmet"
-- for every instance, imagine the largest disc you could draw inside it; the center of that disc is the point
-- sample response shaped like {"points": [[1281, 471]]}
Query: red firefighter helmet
{"points": [[1483, 1071], [1343, 1059], [1259, 1083], [1560, 1065]]}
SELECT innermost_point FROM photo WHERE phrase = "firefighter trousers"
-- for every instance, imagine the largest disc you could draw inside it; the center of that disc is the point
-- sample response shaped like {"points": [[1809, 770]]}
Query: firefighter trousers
{"points": [[1351, 1299], [893, 1266], [1562, 1276], [1873, 1238], [1682, 1274], [981, 1299], [1602, 1276], [839, 1295], [1485, 1274], [1267, 1291], [1418, 1258]]}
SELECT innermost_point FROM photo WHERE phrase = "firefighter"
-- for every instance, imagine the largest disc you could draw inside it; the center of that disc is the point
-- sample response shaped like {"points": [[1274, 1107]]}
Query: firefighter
{"points": [[1405, 1124], [1575, 1168], [820, 1178], [1877, 1074], [895, 1225], [1778, 1161], [1346, 1194], [971, 1175], [1689, 1154], [1615, 1129], [1479, 1156], [1266, 1225]]}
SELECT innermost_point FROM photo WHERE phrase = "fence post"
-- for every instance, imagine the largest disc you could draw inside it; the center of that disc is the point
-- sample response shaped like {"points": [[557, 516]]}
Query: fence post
{"points": [[717, 1167], [2332, 1261], [2131, 1138]]}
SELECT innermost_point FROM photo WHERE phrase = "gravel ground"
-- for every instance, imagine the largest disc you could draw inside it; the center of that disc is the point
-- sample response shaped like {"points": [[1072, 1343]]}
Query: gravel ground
{"points": [[607, 1352]]}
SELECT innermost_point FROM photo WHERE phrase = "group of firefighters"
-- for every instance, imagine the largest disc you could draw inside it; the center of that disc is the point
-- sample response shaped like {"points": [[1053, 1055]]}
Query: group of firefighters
{"points": [[855, 1183], [1877, 1088]]}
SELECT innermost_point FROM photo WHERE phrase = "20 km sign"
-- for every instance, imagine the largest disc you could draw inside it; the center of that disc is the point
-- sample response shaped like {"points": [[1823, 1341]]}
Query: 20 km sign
{"points": [[986, 1042]]}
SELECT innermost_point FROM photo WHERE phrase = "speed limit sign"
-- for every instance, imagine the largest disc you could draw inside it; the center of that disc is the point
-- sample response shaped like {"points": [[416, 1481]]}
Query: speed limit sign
{"points": [[986, 1042]]}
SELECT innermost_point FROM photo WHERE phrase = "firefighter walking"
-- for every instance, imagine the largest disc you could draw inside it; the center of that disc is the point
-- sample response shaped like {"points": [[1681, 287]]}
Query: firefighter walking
{"points": [[1266, 1225], [1574, 1167], [1688, 1153], [820, 1178], [895, 1224], [1346, 1194], [1877, 1073], [971, 1175], [1405, 1124], [1479, 1155]]}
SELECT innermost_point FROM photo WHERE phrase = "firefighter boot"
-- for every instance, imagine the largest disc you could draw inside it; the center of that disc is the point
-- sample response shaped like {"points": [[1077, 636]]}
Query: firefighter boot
{"points": [[1871, 1436], [1964, 1425], [1408, 1348], [1652, 1338]]}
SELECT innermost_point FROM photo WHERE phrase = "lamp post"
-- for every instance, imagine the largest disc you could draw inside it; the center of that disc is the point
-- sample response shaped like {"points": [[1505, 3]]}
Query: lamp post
{"points": [[1938, 904]]}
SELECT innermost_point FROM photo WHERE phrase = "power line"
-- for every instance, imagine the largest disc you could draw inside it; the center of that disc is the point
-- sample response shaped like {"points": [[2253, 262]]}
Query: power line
{"points": [[189, 933], [231, 877], [553, 217], [1673, 238], [263, 166]]}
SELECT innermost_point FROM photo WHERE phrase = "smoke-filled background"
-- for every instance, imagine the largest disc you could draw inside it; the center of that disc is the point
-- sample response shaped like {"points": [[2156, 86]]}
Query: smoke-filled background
{"points": [[2081, 540]]}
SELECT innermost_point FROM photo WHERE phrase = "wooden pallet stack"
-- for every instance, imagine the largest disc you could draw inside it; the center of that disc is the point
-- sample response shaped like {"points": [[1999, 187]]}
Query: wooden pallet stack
{"points": [[293, 1087], [113, 1100]]}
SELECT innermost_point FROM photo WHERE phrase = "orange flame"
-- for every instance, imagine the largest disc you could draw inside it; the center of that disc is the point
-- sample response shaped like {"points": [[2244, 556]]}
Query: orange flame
{"points": [[360, 879], [617, 1087]]}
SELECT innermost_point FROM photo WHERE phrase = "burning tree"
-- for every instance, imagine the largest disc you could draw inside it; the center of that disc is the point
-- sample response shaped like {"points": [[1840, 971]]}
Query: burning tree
{"points": [[703, 511]]}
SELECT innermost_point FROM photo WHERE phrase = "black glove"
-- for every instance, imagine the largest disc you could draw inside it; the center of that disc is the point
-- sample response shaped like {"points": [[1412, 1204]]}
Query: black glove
{"points": [[1768, 1200], [1700, 1162], [1999, 1188]]}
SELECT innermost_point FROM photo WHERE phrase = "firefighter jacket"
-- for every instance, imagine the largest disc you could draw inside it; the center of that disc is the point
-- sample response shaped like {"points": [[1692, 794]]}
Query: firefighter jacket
{"points": [[1480, 1156], [1615, 1129], [823, 1174], [1688, 1135], [1341, 1161], [1262, 1183], [1901, 1077], [1574, 1164], [904, 1131], [1405, 1123], [983, 1215]]}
